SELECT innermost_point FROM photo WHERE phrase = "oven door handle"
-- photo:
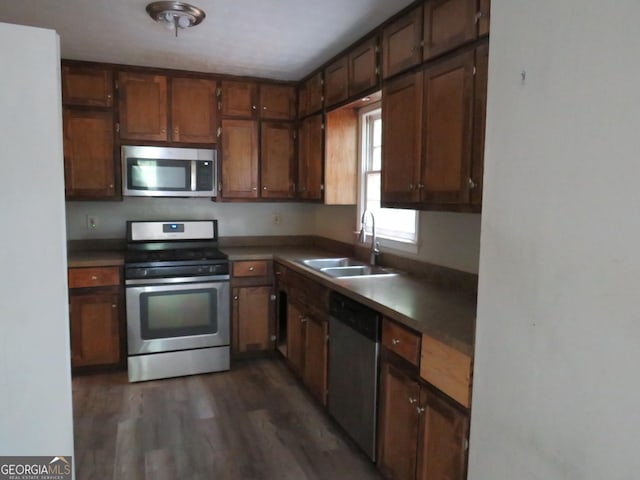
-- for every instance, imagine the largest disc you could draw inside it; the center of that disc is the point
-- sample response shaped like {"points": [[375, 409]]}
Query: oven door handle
{"points": [[173, 280]]}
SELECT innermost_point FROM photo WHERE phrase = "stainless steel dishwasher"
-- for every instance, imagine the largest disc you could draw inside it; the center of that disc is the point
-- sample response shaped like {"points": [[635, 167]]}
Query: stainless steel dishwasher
{"points": [[354, 346]]}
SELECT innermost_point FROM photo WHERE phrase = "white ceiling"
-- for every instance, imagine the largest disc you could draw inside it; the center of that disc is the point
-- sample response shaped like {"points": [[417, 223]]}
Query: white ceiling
{"points": [[280, 39]]}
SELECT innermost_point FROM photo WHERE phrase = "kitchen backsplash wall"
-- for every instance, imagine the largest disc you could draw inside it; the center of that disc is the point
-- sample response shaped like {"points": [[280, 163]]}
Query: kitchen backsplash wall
{"points": [[235, 219], [447, 239]]}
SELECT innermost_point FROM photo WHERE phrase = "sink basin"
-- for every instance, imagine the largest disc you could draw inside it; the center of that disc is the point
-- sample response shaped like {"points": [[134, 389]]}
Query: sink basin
{"points": [[345, 267], [320, 263], [356, 271]]}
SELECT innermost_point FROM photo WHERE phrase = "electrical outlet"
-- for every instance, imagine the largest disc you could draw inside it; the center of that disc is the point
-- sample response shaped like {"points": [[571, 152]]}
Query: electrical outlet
{"points": [[277, 219], [92, 223]]}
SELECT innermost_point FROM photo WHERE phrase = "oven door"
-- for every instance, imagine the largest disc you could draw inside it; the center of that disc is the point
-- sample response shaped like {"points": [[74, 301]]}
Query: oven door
{"points": [[171, 317]]}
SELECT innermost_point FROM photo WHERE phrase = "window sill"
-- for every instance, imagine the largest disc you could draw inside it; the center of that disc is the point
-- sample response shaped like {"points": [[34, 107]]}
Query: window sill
{"points": [[393, 244]]}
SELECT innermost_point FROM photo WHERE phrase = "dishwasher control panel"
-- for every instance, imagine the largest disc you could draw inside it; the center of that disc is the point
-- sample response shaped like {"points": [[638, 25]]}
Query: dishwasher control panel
{"points": [[361, 318]]}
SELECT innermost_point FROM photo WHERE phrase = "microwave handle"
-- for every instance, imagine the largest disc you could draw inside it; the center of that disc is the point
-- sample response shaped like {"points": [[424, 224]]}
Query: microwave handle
{"points": [[193, 175]]}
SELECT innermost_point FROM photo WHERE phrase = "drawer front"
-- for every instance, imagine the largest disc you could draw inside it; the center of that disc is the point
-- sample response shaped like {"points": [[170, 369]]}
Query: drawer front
{"points": [[251, 268], [447, 369], [401, 340], [93, 277]]}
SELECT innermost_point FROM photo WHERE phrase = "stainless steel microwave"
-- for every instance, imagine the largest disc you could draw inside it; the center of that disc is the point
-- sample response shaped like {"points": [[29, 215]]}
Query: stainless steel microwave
{"points": [[168, 172]]}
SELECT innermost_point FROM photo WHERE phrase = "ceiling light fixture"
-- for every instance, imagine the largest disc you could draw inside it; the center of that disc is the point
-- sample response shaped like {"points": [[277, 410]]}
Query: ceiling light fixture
{"points": [[175, 14]]}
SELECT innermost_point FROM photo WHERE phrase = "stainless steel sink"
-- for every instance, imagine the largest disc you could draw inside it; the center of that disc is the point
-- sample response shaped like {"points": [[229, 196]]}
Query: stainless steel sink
{"points": [[320, 263], [344, 267], [357, 271]]}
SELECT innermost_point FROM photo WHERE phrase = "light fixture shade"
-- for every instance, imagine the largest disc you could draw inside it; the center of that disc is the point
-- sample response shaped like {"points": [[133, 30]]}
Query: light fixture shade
{"points": [[175, 14]]}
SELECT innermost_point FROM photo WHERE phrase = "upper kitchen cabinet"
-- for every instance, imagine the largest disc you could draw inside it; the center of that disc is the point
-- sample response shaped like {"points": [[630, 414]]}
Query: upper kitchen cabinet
{"points": [[433, 135], [341, 157], [363, 67], [479, 121], [277, 156], [239, 158], [401, 139], [448, 122], [402, 43], [145, 113], [484, 15], [310, 155], [88, 154], [239, 99], [311, 96], [87, 86], [447, 25], [336, 81], [277, 102], [193, 110], [143, 106]]}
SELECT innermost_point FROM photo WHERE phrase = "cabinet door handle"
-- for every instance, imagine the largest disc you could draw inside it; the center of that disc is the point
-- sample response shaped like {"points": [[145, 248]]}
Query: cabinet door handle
{"points": [[472, 184], [272, 297], [264, 108], [395, 341], [235, 298], [413, 400], [163, 130], [411, 187], [420, 410], [113, 305], [264, 188], [254, 189], [253, 107]]}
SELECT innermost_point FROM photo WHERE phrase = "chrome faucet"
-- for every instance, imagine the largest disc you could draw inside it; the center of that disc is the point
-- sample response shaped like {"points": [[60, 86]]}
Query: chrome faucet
{"points": [[375, 246]]}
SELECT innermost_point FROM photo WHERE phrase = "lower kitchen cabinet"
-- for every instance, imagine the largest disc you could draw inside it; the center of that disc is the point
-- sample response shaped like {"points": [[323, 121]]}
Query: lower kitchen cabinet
{"points": [[252, 318], [252, 306], [315, 364], [295, 338], [96, 317], [95, 328], [423, 435]]}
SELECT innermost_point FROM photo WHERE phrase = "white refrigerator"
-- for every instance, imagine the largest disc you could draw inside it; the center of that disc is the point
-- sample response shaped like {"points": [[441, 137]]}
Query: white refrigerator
{"points": [[35, 374]]}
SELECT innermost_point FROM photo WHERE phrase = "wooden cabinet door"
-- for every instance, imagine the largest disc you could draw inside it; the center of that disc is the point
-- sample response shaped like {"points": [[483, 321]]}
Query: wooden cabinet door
{"points": [[193, 110], [239, 99], [314, 93], [443, 439], [447, 25], [310, 155], [277, 159], [398, 428], [239, 159], [302, 100], [336, 81], [479, 122], [448, 120], [277, 102], [252, 319], [87, 86], [363, 67], [401, 139], [88, 154], [143, 107], [315, 368], [296, 327], [401, 43], [95, 329], [484, 17]]}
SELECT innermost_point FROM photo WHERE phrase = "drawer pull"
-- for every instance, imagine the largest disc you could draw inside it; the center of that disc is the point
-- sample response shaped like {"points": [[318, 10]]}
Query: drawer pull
{"points": [[94, 277], [113, 305], [251, 269], [395, 341]]}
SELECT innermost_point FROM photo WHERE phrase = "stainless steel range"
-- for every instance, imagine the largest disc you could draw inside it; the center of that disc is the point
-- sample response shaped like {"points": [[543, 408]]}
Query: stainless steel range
{"points": [[177, 297]]}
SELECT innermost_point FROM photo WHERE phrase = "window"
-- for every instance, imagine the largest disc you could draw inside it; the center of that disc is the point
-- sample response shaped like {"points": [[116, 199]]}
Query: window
{"points": [[397, 228]]}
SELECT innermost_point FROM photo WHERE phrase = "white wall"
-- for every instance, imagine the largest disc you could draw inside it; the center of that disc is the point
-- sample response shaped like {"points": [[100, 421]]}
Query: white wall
{"points": [[234, 219], [35, 377], [556, 393], [448, 239]]}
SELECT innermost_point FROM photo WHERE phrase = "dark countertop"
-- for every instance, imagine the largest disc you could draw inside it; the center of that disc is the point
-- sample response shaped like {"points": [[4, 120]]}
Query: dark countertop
{"points": [[444, 314]]}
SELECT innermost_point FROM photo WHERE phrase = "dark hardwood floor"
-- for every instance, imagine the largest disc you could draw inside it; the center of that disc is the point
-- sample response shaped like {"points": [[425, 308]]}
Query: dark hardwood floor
{"points": [[253, 422]]}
